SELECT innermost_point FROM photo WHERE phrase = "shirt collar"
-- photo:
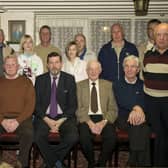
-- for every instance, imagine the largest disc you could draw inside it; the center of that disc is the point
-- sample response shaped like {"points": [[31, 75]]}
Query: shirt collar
{"points": [[16, 76], [127, 81], [114, 46], [58, 75], [96, 82]]}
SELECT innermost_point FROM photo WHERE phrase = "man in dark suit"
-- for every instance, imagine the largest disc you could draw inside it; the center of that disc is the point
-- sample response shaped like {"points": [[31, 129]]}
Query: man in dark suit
{"points": [[97, 120], [64, 120]]}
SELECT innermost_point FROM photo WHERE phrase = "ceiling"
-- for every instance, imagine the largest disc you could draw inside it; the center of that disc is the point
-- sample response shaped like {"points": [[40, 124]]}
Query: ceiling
{"points": [[82, 7]]}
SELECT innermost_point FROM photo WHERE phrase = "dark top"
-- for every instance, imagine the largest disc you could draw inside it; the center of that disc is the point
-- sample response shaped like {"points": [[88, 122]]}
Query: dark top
{"points": [[66, 94], [112, 69], [128, 95]]}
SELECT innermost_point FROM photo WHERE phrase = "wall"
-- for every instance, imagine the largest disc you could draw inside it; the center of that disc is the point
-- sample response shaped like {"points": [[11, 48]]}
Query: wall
{"points": [[27, 16]]}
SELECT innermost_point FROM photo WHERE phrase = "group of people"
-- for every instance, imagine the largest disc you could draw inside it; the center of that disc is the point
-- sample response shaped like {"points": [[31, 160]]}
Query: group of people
{"points": [[81, 96]]}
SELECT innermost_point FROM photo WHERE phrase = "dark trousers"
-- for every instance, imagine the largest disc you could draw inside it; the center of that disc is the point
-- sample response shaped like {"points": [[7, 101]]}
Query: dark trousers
{"points": [[157, 110], [108, 142], [139, 142], [25, 133], [51, 153]]}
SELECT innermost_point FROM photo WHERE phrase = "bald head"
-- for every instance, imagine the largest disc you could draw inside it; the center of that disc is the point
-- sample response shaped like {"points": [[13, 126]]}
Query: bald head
{"points": [[93, 69], [161, 36], [117, 33]]}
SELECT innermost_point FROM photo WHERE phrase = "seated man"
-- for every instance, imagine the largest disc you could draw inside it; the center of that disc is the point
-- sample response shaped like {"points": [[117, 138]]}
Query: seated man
{"points": [[130, 99], [55, 111], [97, 111], [17, 103]]}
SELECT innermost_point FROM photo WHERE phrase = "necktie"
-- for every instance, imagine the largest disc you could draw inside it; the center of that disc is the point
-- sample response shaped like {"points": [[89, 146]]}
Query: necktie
{"points": [[53, 100], [94, 104]]}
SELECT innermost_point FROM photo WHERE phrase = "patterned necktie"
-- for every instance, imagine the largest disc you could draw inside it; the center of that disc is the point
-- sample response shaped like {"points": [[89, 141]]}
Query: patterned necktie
{"points": [[53, 100], [94, 104]]}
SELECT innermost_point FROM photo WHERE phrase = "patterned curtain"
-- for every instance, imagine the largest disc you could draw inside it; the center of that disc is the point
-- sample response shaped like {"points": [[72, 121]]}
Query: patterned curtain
{"points": [[97, 31], [101, 31]]}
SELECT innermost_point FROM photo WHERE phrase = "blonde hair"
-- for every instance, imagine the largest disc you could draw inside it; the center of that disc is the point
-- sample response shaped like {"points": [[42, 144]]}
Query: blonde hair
{"points": [[23, 40], [12, 56]]}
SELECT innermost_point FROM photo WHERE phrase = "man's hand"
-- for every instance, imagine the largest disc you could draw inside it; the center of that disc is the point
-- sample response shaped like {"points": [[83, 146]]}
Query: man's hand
{"points": [[50, 122], [54, 124], [96, 128], [10, 125], [100, 125], [58, 123], [136, 116]]}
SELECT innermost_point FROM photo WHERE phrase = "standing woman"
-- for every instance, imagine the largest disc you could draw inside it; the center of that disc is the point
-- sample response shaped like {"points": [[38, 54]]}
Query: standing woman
{"points": [[73, 64], [30, 64]]}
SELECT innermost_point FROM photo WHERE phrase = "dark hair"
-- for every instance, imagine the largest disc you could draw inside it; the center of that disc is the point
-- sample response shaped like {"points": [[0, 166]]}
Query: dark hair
{"points": [[54, 54], [45, 27], [157, 21], [71, 43]]}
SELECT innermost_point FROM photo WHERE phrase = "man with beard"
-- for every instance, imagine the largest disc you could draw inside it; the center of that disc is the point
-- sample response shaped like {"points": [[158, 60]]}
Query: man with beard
{"points": [[55, 113]]}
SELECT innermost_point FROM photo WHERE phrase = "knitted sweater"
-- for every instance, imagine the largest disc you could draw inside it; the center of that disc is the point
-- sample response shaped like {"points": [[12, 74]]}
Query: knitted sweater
{"points": [[128, 95], [155, 73], [17, 98]]}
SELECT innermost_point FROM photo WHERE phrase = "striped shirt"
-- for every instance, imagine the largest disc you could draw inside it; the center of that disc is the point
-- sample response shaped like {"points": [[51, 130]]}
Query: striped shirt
{"points": [[155, 73]]}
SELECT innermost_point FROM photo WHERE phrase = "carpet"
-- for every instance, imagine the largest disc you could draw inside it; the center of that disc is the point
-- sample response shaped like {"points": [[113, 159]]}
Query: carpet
{"points": [[10, 157]]}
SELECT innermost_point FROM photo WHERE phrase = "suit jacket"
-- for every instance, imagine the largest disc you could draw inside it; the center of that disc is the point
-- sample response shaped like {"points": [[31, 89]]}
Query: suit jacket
{"points": [[107, 101], [66, 94]]}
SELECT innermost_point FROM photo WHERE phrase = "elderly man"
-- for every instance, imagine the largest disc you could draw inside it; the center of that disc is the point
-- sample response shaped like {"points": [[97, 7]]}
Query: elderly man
{"points": [[45, 47], [4, 50], [84, 53], [112, 54], [17, 103], [130, 99], [156, 92], [96, 114], [56, 104]]}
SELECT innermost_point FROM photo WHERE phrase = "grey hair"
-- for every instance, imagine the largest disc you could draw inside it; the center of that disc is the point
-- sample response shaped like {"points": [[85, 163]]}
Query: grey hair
{"points": [[94, 61], [131, 57]]}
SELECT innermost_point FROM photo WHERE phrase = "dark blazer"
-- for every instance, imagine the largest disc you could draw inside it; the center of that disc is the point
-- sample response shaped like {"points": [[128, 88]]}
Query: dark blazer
{"points": [[66, 94]]}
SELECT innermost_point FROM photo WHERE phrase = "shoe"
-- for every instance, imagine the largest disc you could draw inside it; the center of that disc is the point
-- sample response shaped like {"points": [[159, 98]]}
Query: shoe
{"points": [[59, 164]]}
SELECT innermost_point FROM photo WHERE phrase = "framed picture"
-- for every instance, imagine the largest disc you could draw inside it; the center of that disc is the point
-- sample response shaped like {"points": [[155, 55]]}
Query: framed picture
{"points": [[16, 30]]}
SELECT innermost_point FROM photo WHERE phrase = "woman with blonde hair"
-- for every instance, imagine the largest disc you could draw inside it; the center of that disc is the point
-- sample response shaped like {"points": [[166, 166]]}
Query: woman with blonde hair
{"points": [[30, 64], [73, 64]]}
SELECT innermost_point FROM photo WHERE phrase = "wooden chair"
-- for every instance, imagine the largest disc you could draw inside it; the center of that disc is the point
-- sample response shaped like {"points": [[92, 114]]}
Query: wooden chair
{"points": [[9, 141], [54, 139]]}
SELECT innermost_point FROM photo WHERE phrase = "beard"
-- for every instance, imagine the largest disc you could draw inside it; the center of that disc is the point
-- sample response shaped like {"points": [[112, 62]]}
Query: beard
{"points": [[54, 72]]}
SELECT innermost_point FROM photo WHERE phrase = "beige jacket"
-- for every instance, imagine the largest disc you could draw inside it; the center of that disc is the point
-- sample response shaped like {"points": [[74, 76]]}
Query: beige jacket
{"points": [[107, 101]]}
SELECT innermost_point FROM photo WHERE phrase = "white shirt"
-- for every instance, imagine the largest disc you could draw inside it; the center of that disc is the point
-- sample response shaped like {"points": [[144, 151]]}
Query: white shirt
{"points": [[77, 69], [33, 62], [99, 112]]}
